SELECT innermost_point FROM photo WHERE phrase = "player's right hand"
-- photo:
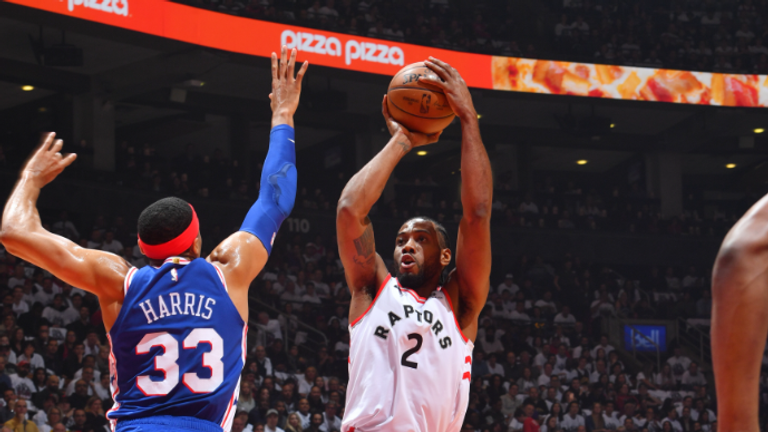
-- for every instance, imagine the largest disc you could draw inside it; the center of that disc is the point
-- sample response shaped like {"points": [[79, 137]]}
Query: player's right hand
{"points": [[411, 139], [46, 162], [285, 88]]}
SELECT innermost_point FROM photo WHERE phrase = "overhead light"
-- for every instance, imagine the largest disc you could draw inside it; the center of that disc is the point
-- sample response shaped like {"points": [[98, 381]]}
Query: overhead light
{"points": [[194, 83], [479, 116], [759, 130], [421, 152], [42, 109], [582, 162], [613, 125], [27, 88], [730, 165]]}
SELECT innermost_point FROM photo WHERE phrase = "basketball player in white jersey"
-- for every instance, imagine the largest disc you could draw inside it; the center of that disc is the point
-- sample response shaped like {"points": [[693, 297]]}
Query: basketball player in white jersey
{"points": [[412, 333]]}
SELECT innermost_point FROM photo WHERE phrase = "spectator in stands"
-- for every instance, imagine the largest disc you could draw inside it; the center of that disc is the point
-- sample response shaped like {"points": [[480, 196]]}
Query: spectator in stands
{"points": [[508, 285], [311, 296], [272, 414], [572, 420], [594, 421], [692, 377], [565, 317], [604, 345], [535, 401], [331, 421], [679, 363], [19, 422], [110, 244], [511, 401], [672, 419], [528, 206], [303, 413], [704, 305], [519, 314]]}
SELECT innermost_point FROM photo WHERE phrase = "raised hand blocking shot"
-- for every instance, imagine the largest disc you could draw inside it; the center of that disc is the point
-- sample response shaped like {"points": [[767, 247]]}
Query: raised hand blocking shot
{"points": [[161, 319]]}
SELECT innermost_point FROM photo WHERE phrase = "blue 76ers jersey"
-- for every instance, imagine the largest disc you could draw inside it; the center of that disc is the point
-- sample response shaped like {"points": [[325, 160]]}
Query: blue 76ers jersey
{"points": [[178, 345]]}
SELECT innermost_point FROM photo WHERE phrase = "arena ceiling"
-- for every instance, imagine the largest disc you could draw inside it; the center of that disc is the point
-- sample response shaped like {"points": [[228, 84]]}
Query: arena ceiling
{"points": [[136, 72]]}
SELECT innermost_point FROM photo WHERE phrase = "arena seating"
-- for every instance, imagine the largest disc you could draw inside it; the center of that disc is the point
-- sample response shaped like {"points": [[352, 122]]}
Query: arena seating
{"points": [[727, 36]]}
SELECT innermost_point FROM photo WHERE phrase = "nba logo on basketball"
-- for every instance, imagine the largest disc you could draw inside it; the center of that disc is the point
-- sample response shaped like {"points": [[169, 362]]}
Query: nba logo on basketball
{"points": [[425, 100]]}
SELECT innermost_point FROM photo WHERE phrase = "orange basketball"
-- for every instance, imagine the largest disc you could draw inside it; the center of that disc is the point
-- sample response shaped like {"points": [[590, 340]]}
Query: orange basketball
{"points": [[418, 106]]}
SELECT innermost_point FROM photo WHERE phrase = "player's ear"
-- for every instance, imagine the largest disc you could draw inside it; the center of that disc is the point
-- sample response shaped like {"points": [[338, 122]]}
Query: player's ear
{"points": [[197, 246], [445, 257]]}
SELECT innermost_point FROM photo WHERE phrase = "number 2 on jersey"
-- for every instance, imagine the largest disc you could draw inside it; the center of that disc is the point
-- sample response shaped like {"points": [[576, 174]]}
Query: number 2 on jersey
{"points": [[167, 362], [404, 361]]}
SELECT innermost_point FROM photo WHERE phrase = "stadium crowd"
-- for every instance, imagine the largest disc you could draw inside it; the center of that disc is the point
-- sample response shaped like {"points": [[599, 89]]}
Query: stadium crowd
{"points": [[557, 203], [725, 36], [540, 356]]}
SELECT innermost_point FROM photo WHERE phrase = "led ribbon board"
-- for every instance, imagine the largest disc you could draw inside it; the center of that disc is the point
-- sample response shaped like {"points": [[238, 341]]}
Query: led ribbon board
{"points": [[363, 54]]}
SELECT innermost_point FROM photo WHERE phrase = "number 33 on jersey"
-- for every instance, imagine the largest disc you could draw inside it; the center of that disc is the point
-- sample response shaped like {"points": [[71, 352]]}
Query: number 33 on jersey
{"points": [[177, 344], [409, 364]]}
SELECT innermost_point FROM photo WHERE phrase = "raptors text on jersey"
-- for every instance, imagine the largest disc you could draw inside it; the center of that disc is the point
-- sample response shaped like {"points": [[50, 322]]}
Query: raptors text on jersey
{"points": [[409, 364]]}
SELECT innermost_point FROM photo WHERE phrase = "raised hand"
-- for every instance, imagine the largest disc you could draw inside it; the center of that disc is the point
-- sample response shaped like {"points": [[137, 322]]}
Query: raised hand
{"points": [[46, 162], [409, 139], [286, 88], [454, 87]]}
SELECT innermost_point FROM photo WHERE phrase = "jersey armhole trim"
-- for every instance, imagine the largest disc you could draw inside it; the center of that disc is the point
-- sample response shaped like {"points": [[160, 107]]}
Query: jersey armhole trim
{"points": [[455, 318], [381, 288], [128, 279], [221, 276]]}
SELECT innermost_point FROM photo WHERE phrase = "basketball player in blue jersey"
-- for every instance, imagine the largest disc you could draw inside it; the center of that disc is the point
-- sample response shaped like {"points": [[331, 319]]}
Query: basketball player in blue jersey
{"points": [[176, 327]]}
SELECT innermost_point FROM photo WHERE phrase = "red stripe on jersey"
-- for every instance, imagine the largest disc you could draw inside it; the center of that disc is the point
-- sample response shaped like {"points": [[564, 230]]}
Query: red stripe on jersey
{"points": [[128, 279], [383, 284], [417, 297], [467, 376], [226, 415], [467, 359], [456, 320]]}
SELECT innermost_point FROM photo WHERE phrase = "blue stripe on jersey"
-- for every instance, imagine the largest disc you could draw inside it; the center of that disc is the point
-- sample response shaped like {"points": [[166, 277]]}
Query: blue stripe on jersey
{"points": [[177, 345]]}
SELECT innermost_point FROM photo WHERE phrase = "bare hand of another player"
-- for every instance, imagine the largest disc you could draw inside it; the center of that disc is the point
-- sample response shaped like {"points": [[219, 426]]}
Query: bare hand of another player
{"points": [[285, 88], [403, 135], [46, 162], [454, 87]]}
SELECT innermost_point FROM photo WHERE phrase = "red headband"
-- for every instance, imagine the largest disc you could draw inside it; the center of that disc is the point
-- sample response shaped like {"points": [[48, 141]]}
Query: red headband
{"points": [[174, 246]]}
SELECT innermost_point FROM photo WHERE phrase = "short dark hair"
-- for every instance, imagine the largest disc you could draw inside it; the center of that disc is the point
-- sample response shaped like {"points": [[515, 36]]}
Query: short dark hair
{"points": [[164, 220]]}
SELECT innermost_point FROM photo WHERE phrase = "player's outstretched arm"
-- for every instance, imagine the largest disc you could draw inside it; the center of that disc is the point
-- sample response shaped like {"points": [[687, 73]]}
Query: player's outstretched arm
{"points": [[469, 282], [363, 267], [740, 319], [242, 255], [23, 235]]}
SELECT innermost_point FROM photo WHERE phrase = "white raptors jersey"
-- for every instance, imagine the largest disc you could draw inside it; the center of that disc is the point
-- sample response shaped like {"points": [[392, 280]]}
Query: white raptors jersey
{"points": [[409, 364]]}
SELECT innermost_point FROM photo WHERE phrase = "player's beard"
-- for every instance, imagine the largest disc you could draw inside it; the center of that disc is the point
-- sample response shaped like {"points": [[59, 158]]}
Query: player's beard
{"points": [[411, 280], [416, 280]]}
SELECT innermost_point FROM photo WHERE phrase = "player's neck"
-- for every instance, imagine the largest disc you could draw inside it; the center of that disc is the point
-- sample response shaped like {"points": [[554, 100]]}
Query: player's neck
{"points": [[158, 263], [426, 289]]}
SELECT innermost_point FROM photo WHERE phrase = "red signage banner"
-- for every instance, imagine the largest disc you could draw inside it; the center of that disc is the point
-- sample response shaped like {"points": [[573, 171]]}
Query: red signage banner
{"points": [[363, 54]]}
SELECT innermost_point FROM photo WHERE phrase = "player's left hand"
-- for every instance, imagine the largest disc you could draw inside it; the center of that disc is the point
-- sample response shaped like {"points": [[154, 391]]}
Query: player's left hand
{"points": [[409, 139], [454, 87], [286, 89], [46, 162]]}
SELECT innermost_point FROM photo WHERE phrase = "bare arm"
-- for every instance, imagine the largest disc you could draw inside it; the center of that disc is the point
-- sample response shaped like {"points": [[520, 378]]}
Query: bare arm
{"points": [[242, 255], [363, 267], [740, 319], [101, 273], [473, 247]]}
